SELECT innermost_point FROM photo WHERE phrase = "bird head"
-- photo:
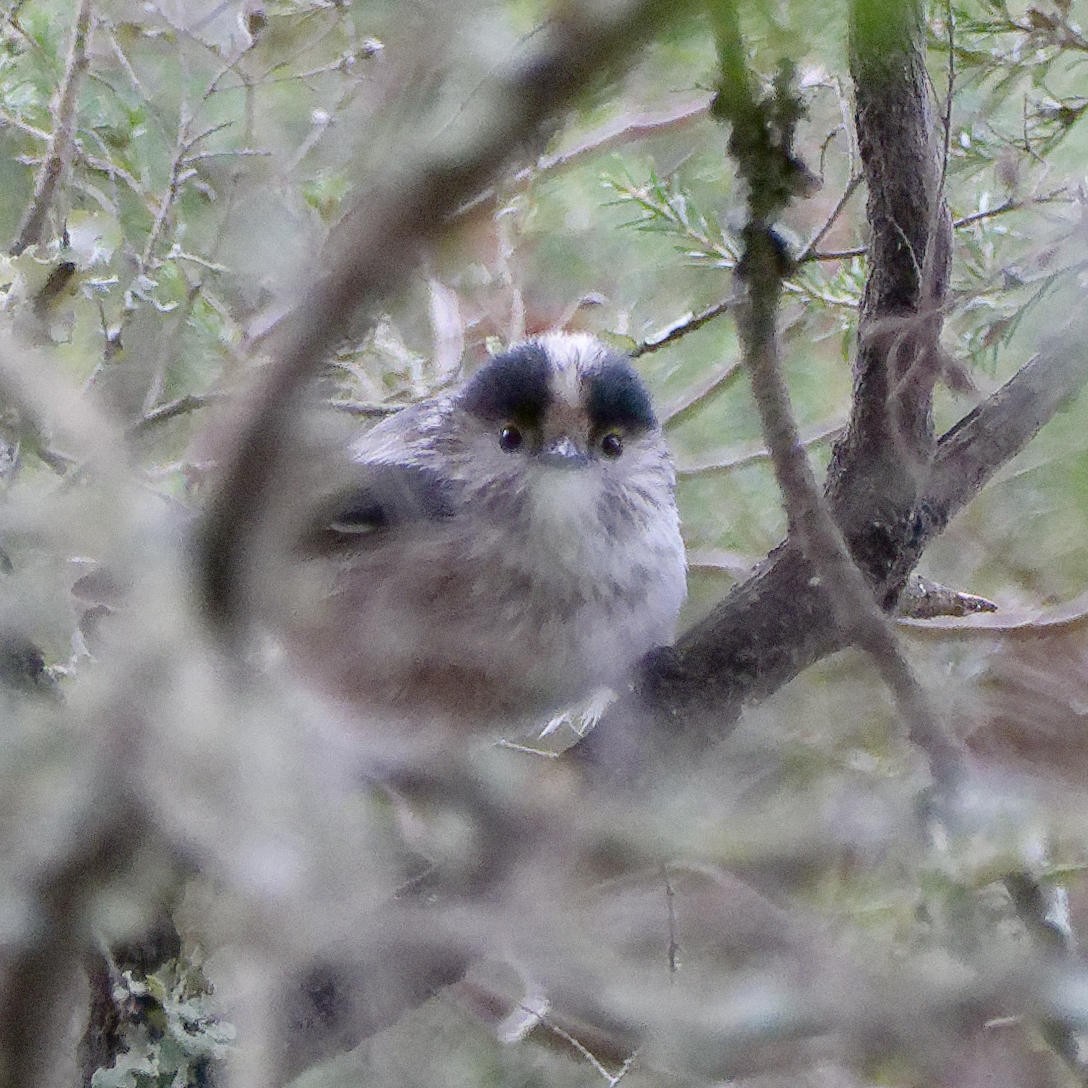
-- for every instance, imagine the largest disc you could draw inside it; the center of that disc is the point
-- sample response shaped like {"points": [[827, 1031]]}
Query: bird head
{"points": [[565, 420]]}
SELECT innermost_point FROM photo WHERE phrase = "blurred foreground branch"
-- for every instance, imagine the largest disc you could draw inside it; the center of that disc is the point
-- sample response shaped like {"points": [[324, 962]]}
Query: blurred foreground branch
{"points": [[280, 827], [378, 245]]}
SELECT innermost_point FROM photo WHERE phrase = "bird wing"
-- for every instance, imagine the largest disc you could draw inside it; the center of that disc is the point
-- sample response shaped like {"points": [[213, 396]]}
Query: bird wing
{"points": [[379, 499]]}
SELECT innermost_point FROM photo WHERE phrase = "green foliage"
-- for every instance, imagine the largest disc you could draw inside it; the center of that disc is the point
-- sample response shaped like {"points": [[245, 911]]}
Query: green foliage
{"points": [[209, 174], [171, 1033]]}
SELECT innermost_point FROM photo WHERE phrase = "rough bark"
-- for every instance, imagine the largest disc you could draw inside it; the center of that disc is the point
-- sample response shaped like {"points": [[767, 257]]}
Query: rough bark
{"points": [[891, 485]]}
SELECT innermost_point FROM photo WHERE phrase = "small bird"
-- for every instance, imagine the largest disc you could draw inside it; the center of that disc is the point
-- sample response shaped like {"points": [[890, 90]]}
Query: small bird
{"points": [[503, 551]]}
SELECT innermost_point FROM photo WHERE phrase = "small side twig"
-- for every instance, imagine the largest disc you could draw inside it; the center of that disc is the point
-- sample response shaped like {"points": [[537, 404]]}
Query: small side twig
{"points": [[681, 328], [1044, 909], [614, 134], [742, 458], [191, 402], [811, 523], [809, 252], [683, 407], [923, 599], [365, 409]]}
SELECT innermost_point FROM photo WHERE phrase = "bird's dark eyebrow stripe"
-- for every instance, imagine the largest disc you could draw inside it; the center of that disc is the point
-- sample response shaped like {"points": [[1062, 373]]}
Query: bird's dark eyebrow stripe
{"points": [[617, 398], [512, 386]]}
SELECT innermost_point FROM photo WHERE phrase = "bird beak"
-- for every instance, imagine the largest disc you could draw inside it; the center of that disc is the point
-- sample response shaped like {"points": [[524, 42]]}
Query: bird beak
{"points": [[563, 452]]}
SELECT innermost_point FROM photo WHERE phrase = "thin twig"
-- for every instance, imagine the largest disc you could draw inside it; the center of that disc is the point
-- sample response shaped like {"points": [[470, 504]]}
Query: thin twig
{"points": [[809, 252], [678, 411], [178, 173], [822, 542], [1043, 907], [670, 908], [615, 134], [8, 118], [365, 409], [730, 462], [61, 142], [1009, 205], [681, 328], [946, 113], [191, 402], [839, 254]]}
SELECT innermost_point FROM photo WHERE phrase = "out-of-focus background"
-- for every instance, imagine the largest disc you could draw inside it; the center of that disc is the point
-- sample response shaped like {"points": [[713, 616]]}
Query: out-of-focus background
{"points": [[783, 913]]}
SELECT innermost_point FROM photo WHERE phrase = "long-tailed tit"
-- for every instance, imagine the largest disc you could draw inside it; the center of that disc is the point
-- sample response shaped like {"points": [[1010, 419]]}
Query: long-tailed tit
{"points": [[503, 551]]}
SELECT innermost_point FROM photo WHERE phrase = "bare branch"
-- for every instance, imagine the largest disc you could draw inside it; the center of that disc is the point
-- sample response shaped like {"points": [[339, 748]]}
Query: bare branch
{"points": [[365, 409], [191, 402], [61, 142], [809, 252], [1002, 425], [615, 134], [735, 459], [1044, 909], [681, 328], [38, 973]]}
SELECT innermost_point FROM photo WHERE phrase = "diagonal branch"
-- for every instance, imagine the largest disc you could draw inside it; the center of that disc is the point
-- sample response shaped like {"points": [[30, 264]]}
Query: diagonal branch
{"points": [[884, 496], [378, 246], [853, 609], [780, 621], [1002, 425], [61, 142]]}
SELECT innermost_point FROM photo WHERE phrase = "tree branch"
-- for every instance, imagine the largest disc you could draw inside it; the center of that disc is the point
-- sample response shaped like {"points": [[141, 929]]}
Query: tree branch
{"points": [[377, 248], [761, 144], [1002, 425], [38, 971], [614, 134], [784, 618], [60, 144]]}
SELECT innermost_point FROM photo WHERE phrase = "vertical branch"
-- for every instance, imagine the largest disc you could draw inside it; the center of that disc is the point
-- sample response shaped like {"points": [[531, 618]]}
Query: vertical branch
{"points": [[39, 970], [877, 468], [60, 145], [761, 143]]}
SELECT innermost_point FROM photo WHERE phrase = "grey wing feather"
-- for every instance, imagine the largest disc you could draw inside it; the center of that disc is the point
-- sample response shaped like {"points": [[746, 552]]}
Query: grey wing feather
{"points": [[382, 498], [388, 485]]}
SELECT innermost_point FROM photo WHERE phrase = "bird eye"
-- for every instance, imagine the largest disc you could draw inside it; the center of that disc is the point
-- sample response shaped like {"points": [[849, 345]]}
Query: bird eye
{"points": [[612, 445], [510, 438]]}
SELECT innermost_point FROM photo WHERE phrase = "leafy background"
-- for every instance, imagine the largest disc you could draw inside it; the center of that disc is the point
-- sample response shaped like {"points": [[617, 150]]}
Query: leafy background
{"points": [[210, 168]]}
